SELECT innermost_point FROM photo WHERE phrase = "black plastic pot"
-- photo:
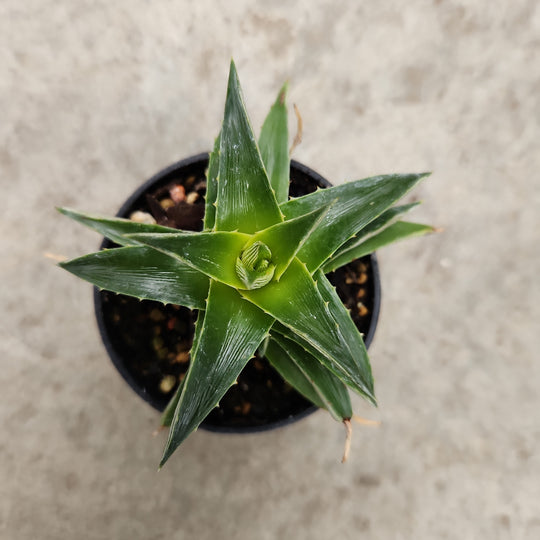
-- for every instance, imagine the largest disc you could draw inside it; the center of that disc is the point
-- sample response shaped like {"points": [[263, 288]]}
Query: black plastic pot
{"points": [[195, 166]]}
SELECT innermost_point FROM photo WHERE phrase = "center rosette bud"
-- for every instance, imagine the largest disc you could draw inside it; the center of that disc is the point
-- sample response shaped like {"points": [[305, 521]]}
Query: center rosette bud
{"points": [[254, 266]]}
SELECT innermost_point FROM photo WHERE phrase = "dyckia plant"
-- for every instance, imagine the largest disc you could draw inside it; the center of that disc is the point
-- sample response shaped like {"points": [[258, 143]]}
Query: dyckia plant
{"points": [[256, 273]]}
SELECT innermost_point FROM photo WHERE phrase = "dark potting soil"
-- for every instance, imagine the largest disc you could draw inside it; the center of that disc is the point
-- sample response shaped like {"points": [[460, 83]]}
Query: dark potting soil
{"points": [[155, 340]]}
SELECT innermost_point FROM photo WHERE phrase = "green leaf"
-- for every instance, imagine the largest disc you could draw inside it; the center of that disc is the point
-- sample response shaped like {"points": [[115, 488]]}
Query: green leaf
{"points": [[348, 332], [349, 335], [310, 377], [114, 229], [212, 186], [212, 253], [357, 204], [385, 219], [397, 231], [230, 333], [296, 302], [274, 146], [168, 413], [286, 367], [144, 273], [254, 266], [245, 201], [215, 253], [286, 238]]}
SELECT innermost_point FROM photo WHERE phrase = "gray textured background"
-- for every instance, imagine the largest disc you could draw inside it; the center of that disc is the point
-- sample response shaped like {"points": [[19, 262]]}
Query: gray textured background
{"points": [[96, 96]]}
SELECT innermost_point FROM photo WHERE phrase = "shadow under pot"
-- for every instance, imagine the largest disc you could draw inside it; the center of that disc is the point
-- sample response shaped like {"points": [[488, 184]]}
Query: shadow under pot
{"points": [[149, 342]]}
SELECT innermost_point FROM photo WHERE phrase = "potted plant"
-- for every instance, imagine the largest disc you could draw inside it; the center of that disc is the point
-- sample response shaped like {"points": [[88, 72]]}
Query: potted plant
{"points": [[256, 273], [149, 342]]}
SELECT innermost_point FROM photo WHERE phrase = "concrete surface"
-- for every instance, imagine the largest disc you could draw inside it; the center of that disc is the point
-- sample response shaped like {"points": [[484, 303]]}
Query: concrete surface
{"points": [[96, 96]]}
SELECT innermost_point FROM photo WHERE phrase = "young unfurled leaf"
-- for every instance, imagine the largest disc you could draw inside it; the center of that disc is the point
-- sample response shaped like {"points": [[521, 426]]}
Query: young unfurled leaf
{"points": [[285, 239], [254, 265]]}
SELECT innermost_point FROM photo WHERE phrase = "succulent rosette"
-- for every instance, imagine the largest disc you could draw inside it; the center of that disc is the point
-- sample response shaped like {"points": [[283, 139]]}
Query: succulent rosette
{"points": [[256, 272]]}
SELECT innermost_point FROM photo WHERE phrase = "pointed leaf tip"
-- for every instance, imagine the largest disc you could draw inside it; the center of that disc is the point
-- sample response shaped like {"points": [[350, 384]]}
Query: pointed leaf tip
{"points": [[273, 144], [246, 201], [224, 341], [282, 96]]}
